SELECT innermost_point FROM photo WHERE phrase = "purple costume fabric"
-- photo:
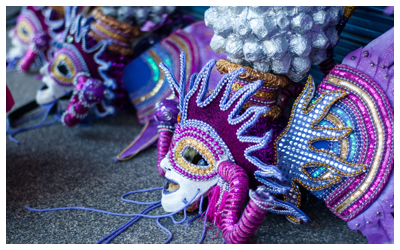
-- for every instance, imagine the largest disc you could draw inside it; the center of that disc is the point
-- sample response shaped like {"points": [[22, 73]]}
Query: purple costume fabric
{"points": [[377, 61]]}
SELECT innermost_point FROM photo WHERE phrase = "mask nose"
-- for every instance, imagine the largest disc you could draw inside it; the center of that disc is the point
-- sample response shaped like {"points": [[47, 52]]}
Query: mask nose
{"points": [[165, 164], [43, 69]]}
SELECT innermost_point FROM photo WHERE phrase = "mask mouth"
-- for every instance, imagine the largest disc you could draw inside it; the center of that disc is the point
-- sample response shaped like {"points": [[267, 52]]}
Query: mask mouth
{"points": [[170, 187]]}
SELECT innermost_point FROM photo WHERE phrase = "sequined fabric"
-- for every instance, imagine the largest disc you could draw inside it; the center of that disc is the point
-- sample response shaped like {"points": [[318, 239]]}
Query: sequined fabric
{"points": [[339, 142], [148, 84]]}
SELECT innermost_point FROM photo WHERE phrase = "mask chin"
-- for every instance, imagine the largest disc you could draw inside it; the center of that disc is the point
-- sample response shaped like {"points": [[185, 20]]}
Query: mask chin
{"points": [[179, 190]]}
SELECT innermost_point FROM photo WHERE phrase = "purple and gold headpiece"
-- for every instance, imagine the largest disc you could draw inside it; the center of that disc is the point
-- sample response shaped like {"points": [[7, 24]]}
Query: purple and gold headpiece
{"points": [[33, 34], [215, 150], [85, 65]]}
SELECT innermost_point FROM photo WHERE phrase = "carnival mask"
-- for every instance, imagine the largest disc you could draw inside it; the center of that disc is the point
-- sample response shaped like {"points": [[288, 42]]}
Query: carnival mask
{"points": [[32, 35], [61, 72], [82, 64], [191, 164], [200, 138]]}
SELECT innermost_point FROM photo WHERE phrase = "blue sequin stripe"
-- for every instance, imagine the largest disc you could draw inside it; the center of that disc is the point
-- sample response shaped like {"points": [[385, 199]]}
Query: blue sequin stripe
{"points": [[354, 138], [343, 112], [150, 62], [165, 86]]}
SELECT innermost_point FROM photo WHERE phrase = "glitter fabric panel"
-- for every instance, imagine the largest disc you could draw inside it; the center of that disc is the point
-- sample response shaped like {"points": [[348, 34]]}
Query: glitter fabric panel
{"points": [[380, 161]]}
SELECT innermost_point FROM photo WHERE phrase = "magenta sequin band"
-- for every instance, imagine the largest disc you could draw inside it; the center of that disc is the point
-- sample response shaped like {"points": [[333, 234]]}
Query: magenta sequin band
{"points": [[351, 111], [379, 123], [84, 63], [237, 226]]}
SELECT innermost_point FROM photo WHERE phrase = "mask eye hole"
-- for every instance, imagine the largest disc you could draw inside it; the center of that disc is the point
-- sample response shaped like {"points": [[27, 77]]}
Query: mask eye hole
{"points": [[24, 31], [192, 156], [63, 69]]}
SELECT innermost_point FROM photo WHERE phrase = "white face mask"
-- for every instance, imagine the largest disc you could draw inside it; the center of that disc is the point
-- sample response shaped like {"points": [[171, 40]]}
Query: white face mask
{"points": [[53, 92], [18, 48], [171, 201], [191, 166]]}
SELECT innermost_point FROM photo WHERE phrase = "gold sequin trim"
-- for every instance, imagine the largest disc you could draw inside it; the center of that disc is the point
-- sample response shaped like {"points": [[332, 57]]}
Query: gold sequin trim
{"points": [[111, 34], [71, 67], [198, 146], [252, 75], [59, 10], [260, 93], [115, 24], [349, 10], [379, 142], [344, 144], [115, 48], [22, 35]]}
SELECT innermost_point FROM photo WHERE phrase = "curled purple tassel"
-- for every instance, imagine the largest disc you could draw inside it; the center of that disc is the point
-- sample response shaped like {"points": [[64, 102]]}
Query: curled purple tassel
{"points": [[164, 140], [237, 227]]}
